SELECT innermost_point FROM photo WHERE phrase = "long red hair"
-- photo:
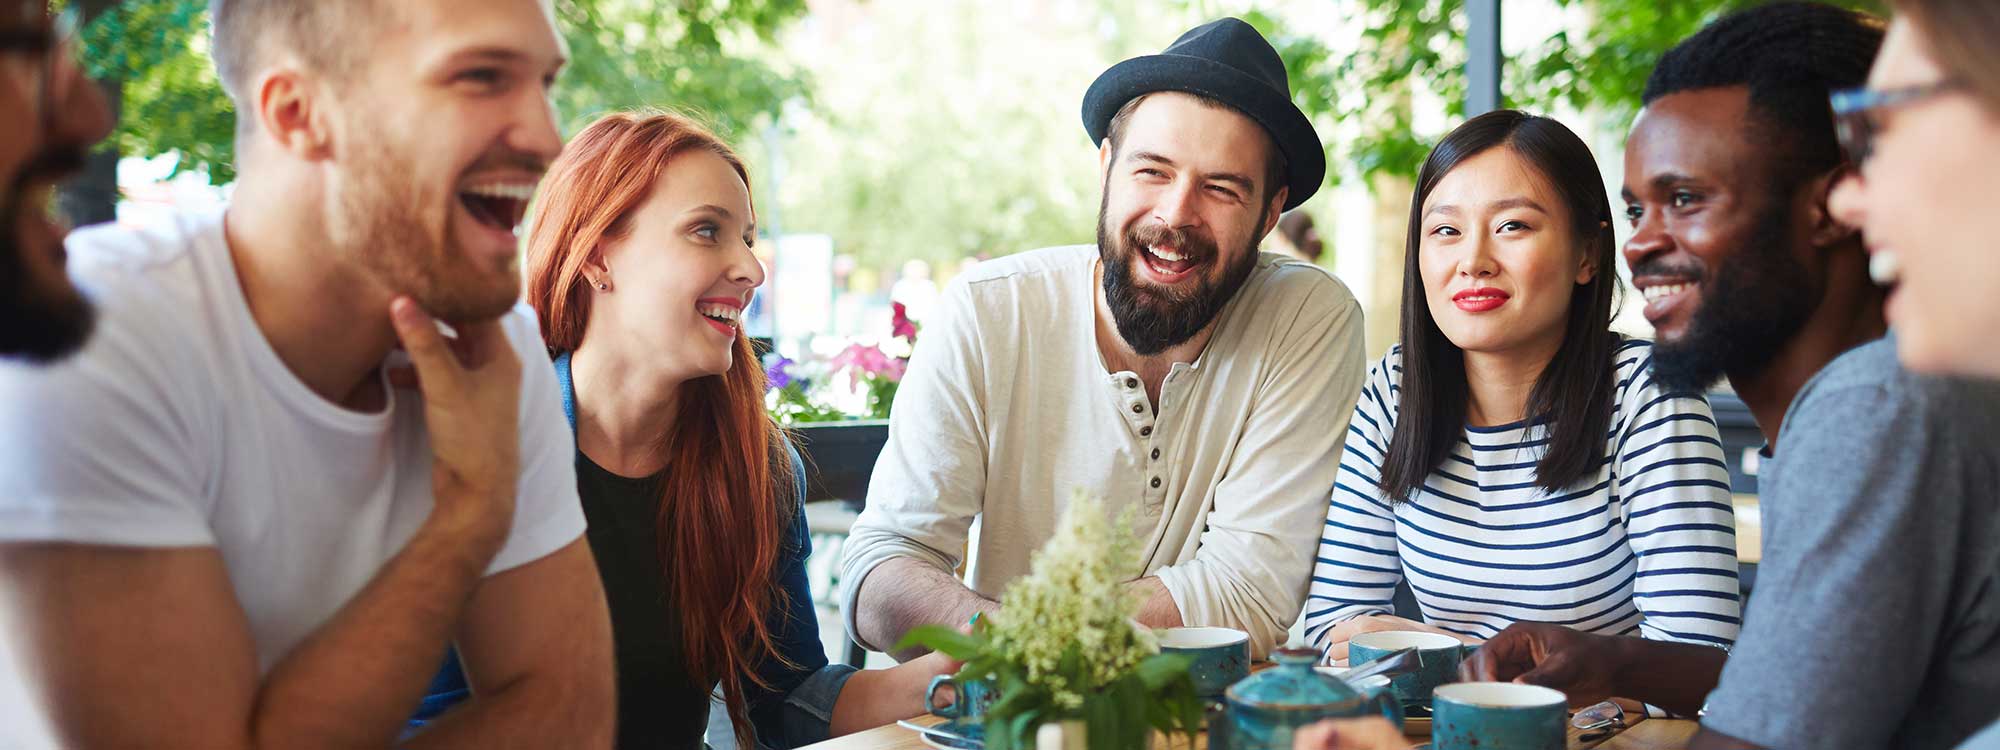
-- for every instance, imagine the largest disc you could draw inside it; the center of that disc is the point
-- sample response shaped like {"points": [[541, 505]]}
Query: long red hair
{"points": [[725, 500]]}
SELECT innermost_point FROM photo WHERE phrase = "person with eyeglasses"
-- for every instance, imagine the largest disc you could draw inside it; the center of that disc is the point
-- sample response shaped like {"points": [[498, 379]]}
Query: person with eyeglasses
{"points": [[53, 116], [1874, 621], [1925, 133]]}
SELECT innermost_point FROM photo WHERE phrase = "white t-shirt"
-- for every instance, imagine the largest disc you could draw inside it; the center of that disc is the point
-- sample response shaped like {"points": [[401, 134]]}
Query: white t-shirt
{"points": [[179, 426]]}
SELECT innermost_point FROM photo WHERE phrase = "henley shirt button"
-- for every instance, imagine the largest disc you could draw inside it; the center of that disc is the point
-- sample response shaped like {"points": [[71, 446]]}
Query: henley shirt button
{"points": [[1138, 409], [1156, 483], [1131, 382], [1156, 454], [1146, 431]]}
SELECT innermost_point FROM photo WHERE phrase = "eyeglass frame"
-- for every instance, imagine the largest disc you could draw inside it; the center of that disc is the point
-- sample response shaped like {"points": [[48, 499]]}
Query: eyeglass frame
{"points": [[53, 44], [1853, 109]]}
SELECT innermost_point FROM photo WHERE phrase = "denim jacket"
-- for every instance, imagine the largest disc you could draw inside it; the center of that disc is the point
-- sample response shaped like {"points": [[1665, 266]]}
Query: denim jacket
{"points": [[798, 707]]}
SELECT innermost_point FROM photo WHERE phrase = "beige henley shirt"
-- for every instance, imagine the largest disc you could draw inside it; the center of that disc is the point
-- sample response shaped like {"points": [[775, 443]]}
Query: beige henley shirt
{"points": [[1007, 409]]}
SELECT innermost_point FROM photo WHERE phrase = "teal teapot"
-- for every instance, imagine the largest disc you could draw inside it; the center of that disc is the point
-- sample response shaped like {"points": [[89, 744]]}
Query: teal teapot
{"points": [[1262, 711]]}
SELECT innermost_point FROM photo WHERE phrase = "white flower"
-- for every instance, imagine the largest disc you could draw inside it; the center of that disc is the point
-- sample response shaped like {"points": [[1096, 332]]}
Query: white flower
{"points": [[1076, 597]]}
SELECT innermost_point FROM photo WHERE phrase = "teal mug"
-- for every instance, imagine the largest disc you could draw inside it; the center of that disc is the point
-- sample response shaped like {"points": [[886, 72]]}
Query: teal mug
{"points": [[1220, 656], [972, 699], [1498, 716], [1438, 656]]}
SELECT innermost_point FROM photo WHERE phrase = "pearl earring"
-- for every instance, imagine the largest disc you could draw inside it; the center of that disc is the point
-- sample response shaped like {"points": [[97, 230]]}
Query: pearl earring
{"points": [[602, 285]]}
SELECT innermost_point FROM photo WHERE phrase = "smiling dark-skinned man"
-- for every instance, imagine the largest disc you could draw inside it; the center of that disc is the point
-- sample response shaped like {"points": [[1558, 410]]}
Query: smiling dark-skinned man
{"points": [[1871, 626]]}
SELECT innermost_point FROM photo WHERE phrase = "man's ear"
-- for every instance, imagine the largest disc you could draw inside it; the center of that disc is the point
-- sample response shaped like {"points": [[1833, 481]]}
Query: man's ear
{"points": [[1275, 210], [290, 114], [1104, 158], [1825, 230]]}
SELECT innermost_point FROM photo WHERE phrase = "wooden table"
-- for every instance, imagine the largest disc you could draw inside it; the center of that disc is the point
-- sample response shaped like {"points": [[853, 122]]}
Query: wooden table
{"points": [[1642, 734], [1749, 528]]}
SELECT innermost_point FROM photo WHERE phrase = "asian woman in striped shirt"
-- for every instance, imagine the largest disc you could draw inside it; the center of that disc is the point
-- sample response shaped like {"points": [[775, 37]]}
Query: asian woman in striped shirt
{"points": [[1513, 459]]}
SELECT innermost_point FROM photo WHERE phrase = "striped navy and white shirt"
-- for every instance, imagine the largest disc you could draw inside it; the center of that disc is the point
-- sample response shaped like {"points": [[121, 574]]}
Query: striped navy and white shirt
{"points": [[1646, 545]]}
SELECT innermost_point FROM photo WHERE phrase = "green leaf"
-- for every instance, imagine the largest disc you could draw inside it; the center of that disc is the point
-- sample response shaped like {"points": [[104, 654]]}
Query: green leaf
{"points": [[940, 638], [1159, 669]]}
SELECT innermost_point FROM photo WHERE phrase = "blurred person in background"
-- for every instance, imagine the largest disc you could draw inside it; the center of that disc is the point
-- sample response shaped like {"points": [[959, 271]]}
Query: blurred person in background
{"points": [[1296, 237], [236, 518]]}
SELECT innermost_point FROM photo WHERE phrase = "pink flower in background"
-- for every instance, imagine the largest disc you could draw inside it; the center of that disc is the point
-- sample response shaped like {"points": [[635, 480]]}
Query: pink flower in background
{"points": [[870, 361], [900, 326]]}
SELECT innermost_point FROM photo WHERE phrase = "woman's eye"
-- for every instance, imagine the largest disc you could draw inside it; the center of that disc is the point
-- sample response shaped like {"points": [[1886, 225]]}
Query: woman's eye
{"points": [[706, 232], [1445, 230], [1512, 226]]}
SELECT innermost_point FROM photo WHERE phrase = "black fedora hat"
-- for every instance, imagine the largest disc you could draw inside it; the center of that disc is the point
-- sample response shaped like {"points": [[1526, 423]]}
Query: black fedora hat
{"points": [[1228, 61]]}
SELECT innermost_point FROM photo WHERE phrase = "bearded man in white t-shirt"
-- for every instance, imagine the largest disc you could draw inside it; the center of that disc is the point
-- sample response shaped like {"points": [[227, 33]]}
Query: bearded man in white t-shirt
{"points": [[239, 517], [1172, 369]]}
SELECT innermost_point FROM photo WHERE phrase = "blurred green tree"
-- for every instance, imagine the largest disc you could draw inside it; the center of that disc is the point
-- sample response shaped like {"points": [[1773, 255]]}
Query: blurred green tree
{"points": [[1363, 91], [703, 56]]}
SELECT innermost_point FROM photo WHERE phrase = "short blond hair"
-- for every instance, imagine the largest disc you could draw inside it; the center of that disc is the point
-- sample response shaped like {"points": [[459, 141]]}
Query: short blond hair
{"points": [[326, 34]]}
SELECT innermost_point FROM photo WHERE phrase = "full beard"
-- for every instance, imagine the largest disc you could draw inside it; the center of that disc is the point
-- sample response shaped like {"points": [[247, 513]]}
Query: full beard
{"points": [[1153, 319], [1751, 305], [42, 315], [379, 220]]}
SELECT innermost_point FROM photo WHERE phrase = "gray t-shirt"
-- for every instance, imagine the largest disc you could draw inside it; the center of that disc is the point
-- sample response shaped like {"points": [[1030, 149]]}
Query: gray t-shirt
{"points": [[1989, 739], [1876, 620]]}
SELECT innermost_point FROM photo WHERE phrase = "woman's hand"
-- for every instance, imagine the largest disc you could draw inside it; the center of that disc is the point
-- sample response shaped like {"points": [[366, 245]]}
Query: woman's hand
{"points": [[1370, 733], [1336, 649]]}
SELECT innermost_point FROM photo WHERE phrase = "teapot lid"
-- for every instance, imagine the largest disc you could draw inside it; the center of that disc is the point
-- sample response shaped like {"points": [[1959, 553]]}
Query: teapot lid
{"points": [[1293, 684]]}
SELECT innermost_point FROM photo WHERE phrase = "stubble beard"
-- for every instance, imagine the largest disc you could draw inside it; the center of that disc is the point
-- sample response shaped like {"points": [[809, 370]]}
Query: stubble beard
{"points": [[380, 222]]}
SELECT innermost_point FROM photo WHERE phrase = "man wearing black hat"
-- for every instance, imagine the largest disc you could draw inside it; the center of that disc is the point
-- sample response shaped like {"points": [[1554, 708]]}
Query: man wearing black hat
{"points": [[1174, 371]]}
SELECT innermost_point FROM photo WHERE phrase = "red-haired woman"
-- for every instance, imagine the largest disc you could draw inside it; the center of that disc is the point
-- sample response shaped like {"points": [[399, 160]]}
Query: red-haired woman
{"points": [[639, 266]]}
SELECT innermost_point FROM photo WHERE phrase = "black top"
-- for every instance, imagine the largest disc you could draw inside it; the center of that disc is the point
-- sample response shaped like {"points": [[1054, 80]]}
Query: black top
{"points": [[658, 705]]}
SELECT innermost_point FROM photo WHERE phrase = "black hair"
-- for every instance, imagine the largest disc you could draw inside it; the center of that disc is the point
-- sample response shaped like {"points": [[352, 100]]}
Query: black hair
{"points": [[1571, 399], [1790, 55]]}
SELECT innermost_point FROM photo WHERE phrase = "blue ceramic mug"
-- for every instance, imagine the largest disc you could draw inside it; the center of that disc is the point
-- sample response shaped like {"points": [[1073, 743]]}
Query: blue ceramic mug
{"points": [[973, 698], [1438, 656], [1498, 716], [1221, 656]]}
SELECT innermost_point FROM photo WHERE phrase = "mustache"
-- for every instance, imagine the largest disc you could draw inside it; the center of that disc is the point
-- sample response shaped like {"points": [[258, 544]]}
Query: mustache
{"points": [[1660, 267], [1180, 240]]}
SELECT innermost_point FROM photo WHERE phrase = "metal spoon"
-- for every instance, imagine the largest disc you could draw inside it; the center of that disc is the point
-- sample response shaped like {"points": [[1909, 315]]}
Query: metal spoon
{"points": [[1398, 662]]}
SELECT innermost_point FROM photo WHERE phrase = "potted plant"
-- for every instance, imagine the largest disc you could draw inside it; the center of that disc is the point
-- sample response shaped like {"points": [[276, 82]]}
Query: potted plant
{"points": [[1064, 647]]}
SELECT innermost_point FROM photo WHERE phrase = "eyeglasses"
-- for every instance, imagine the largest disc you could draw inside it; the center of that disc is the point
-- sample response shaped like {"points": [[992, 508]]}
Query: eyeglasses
{"points": [[1857, 113], [47, 45]]}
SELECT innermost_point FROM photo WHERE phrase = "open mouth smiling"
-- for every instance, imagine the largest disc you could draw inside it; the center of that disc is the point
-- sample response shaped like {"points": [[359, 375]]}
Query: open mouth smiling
{"points": [[498, 205]]}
